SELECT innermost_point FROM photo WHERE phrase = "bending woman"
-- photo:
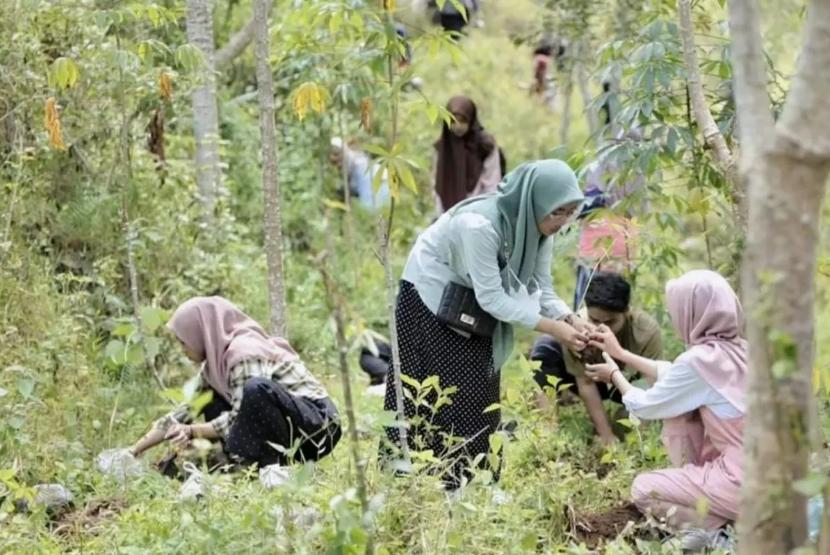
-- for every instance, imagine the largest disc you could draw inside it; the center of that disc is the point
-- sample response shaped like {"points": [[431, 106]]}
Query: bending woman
{"points": [[701, 397], [263, 395], [501, 246]]}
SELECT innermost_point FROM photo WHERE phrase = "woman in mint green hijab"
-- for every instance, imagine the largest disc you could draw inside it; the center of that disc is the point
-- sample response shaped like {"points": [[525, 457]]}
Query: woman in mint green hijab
{"points": [[501, 246]]}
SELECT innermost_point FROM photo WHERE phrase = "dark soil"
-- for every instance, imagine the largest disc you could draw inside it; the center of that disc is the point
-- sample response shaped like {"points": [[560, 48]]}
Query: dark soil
{"points": [[90, 519], [596, 528]]}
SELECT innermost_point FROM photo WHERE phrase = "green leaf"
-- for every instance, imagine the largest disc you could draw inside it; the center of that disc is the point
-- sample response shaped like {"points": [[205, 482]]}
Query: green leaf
{"points": [[189, 57], [491, 408], [63, 73], [115, 350], [124, 329], [407, 178], [26, 386], [135, 354], [152, 318], [377, 150]]}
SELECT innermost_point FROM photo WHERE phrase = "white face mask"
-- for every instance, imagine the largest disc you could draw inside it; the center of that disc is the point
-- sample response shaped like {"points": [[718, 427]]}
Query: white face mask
{"points": [[459, 129]]}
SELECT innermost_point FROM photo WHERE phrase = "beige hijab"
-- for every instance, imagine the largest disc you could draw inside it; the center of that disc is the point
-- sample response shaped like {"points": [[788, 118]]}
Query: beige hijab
{"points": [[217, 330]]}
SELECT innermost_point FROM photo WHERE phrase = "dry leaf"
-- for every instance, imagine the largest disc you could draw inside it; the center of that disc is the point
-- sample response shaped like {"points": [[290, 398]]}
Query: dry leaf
{"points": [[52, 121], [366, 113], [166, 86]]}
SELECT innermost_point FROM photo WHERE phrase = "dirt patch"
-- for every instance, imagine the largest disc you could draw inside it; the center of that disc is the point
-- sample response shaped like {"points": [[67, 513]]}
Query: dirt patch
{"points": [[597, 528], [89, 519]]}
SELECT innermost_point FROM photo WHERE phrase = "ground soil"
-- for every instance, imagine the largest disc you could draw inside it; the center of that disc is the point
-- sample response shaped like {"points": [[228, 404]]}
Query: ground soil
{"points": [[597, 528], [89, 519]]}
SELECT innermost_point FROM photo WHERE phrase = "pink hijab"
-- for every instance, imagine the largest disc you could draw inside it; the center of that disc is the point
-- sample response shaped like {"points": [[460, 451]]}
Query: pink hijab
{"points": [[708, 317], [216, 329]]}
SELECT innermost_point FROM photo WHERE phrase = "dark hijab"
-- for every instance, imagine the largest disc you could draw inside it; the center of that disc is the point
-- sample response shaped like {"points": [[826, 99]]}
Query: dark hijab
{"points": [[461, 159]]}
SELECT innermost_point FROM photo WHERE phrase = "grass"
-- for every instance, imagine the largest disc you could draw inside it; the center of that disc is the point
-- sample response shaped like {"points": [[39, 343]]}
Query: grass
{"points": [[61, 403]]}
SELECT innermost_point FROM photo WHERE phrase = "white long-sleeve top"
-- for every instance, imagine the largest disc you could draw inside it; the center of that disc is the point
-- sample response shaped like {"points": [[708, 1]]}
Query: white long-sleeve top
{"points": [[679, 389]]}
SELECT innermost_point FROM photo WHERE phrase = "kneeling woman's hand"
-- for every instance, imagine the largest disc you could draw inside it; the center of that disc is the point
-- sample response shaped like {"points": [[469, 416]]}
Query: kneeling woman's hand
{"points": [[603, 372], [179, 434]]}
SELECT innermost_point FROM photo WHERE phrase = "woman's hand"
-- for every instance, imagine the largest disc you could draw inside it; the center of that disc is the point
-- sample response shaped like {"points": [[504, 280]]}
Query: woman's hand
{"points": [[568, 335], [602, 372], [605, 339], [179, 434], [583, 325]]}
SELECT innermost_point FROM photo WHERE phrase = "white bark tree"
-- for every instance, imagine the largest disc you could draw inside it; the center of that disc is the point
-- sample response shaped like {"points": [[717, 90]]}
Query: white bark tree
{"points": [[785, 166], [270, 183], [199, 22]]}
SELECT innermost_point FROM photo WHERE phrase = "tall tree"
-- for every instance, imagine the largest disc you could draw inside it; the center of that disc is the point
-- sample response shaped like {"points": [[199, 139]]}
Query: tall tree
{"points": [[270, 183], [199, 21], [200, 33], [779, 269]]}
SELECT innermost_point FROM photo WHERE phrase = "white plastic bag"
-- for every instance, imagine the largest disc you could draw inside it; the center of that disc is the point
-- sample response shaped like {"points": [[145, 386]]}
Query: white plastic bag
{"points": [[119, 463]]}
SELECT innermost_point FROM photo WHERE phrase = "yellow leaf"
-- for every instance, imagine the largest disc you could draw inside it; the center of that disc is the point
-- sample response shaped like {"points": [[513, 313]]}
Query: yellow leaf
{"points": [[166, 86], [388, 5], [52, 122], [309, 95]]}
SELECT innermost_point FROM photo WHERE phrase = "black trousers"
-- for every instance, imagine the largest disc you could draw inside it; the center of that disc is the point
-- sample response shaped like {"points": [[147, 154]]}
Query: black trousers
{"points": [[551, 354], [376, 366], [299, 428]]}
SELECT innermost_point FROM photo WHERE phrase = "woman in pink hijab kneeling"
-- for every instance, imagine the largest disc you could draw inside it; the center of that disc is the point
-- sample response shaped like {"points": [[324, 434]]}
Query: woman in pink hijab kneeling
{"points": [[701, 399], [267, 408]]}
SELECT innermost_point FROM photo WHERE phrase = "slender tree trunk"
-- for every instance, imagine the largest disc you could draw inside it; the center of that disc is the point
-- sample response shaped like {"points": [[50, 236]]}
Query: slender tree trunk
{"points": [[335, 302], [778, 272], [567, 93], [205, 111], [124, 164], [582, 83], [385, 232], [237, 44], [709, 128], [270, 182]]}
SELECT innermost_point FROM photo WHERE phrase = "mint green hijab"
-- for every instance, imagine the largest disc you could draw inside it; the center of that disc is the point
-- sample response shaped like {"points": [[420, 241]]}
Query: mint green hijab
{"points": [[525, 197]]}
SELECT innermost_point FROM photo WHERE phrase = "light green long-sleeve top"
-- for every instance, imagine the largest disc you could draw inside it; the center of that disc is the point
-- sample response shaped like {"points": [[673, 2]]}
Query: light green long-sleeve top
{"points": [[464, 248]]}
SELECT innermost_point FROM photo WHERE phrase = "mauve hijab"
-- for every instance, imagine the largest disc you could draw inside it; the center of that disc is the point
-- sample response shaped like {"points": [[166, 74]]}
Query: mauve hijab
{"points": [[216, 329], [708, 317]]}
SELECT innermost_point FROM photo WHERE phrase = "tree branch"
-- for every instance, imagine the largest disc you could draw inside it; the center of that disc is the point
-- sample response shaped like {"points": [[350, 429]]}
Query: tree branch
{"points": [[750, 78], [240, 40], [711, 133], [804, 127]]}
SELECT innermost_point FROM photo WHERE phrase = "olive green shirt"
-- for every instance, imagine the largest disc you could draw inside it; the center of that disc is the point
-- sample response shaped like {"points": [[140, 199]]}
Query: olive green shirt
{"points": [[640, 335]]}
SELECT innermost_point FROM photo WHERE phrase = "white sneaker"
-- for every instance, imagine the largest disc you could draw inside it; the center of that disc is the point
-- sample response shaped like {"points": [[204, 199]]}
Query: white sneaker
{"points": [[119, 463], [196, 484], [273, 475], [698, 540]]}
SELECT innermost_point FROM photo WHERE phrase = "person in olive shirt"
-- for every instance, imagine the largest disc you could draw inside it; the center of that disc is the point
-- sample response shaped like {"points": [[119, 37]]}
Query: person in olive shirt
{"points": [[607, 303]]}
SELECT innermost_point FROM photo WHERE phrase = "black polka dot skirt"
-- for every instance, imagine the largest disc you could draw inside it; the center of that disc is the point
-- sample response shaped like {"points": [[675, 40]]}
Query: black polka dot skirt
{"points": [[459, 431]]}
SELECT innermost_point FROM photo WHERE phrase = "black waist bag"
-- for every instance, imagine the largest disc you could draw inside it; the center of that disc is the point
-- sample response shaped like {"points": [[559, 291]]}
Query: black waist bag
{"points": [[460, 310]]}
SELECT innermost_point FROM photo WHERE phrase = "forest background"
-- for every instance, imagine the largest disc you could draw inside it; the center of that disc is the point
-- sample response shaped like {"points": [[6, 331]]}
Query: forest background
{"points": [[105, 227]]}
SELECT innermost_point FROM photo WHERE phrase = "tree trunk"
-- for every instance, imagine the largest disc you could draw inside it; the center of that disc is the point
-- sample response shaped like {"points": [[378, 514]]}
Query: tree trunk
{"points": [[335, 303], [205, 111], [709, 128], [385, 235], [237, 44], [778, 272], [270, 183], [567, 93], [778, 279]]}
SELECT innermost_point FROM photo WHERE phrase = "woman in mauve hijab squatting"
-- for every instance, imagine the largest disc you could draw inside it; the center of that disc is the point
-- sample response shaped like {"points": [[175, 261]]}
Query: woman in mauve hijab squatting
{"points": [[263, 395], [701, 399]]}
